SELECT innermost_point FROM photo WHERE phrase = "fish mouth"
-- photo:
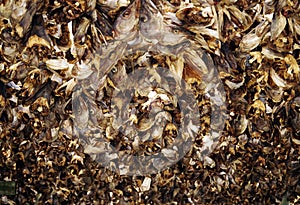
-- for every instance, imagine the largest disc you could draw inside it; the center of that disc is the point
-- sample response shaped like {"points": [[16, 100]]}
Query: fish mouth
{"points": [[137, 5]]}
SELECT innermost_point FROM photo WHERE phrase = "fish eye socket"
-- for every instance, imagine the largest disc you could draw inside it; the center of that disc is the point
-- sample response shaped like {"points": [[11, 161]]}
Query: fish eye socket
{"points": [[144, 19], [114, 70], [126, 13]]}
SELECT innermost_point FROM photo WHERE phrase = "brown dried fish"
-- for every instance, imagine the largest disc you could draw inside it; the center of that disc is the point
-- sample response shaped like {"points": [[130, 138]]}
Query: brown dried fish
{"points": [[51, 49]]}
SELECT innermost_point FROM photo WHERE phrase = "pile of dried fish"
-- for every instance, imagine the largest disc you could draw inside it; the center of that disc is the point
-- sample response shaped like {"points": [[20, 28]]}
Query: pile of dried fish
{"points": [[65, 65]]}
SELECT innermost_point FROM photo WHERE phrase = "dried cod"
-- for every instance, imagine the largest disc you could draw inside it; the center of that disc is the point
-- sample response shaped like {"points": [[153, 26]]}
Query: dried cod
{"points": [[255, 47]]}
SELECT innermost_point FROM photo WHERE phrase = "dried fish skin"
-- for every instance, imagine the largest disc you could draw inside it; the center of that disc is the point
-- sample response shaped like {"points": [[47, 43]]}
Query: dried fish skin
{"points": [[277, 25], [295, 116], [9, 51], [103, 22], [41, 106], [74, 9], [293, 71], [277, 79], [233, 19], [241, 19], [250, 41], [57, 64], [81, 30], [22, 18], [195, 15], [114, 4]]}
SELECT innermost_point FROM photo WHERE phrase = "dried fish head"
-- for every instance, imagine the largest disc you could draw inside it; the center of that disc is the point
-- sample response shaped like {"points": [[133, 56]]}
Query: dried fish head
{"points": [[151, 20], [126, 24], [117, 73]]}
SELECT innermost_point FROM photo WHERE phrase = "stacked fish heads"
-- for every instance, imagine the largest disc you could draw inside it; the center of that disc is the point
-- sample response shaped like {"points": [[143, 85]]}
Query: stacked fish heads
{"points": [[133, 111]]}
